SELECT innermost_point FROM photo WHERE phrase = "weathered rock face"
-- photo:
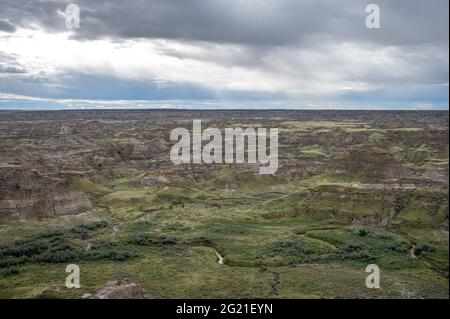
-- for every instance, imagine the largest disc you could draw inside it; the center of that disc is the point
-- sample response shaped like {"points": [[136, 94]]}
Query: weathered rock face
{"points": [[40, 152], [119, 290], [25, 193]]}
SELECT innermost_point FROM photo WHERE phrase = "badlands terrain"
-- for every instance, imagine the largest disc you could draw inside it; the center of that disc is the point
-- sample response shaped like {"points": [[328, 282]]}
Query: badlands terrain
{"points": [[97, 189]]}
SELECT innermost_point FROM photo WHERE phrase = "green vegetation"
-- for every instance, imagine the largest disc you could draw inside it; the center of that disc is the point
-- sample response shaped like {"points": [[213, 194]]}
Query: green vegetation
{"points": [[86, 185], [348, 193], [58, 246], [313, 151]]}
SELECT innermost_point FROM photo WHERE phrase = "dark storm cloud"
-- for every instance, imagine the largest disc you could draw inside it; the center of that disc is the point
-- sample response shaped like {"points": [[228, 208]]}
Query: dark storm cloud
{"points": [[27, 13], [281, 22], [6, 26], [314, 49]]}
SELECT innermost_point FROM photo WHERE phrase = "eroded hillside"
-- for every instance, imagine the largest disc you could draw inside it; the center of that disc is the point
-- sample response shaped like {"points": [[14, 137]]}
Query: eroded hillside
{"points": [[97, 188]]}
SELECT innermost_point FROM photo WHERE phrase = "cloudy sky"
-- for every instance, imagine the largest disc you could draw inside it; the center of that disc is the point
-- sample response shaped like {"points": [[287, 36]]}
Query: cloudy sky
{"points": [[224, 54]]}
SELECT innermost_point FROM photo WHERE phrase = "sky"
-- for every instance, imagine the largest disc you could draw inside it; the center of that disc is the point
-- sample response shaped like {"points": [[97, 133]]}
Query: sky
{"points": [[208, 54]]}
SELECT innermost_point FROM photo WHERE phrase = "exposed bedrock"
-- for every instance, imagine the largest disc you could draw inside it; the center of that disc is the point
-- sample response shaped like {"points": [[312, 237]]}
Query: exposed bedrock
{"points": [[25, 193]]}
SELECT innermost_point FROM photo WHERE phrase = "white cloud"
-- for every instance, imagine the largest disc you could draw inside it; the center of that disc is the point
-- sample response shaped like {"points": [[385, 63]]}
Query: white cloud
{"points": [[324, 68]]}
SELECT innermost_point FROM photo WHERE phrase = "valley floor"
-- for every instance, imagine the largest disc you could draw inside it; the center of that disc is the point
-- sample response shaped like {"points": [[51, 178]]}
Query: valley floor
{"points": [[98, 191]]}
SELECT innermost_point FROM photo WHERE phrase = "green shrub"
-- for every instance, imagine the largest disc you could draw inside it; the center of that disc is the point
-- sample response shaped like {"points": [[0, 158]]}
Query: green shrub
{"points": [[363, 232], [60, 256], [50, 233], [289, 247], [12, 261], [22, 248], [10, 271], [354, 251], [399, 247], [58, 249], [108, 255], [144, 239], [82, 230], [421, 248], [351, 247]]}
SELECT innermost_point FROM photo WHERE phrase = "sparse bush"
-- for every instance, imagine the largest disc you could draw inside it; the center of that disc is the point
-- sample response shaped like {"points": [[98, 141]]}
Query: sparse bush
{"points": [[50, 233], [12, 261], [108, 255], [10, 271], [351, 247], [421, 248], [82, 230], [359, 255], [60, 256], [354, 251], [22, 248], [95, 225], [363, 232], [262, 269], [144, 239], [120, 256], [290, 247], [399, 247], [60, 247], [52, 246]]}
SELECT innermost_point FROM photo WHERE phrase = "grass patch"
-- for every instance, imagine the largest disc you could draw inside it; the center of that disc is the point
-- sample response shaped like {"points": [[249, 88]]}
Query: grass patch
{"points": [[87, 186]]}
